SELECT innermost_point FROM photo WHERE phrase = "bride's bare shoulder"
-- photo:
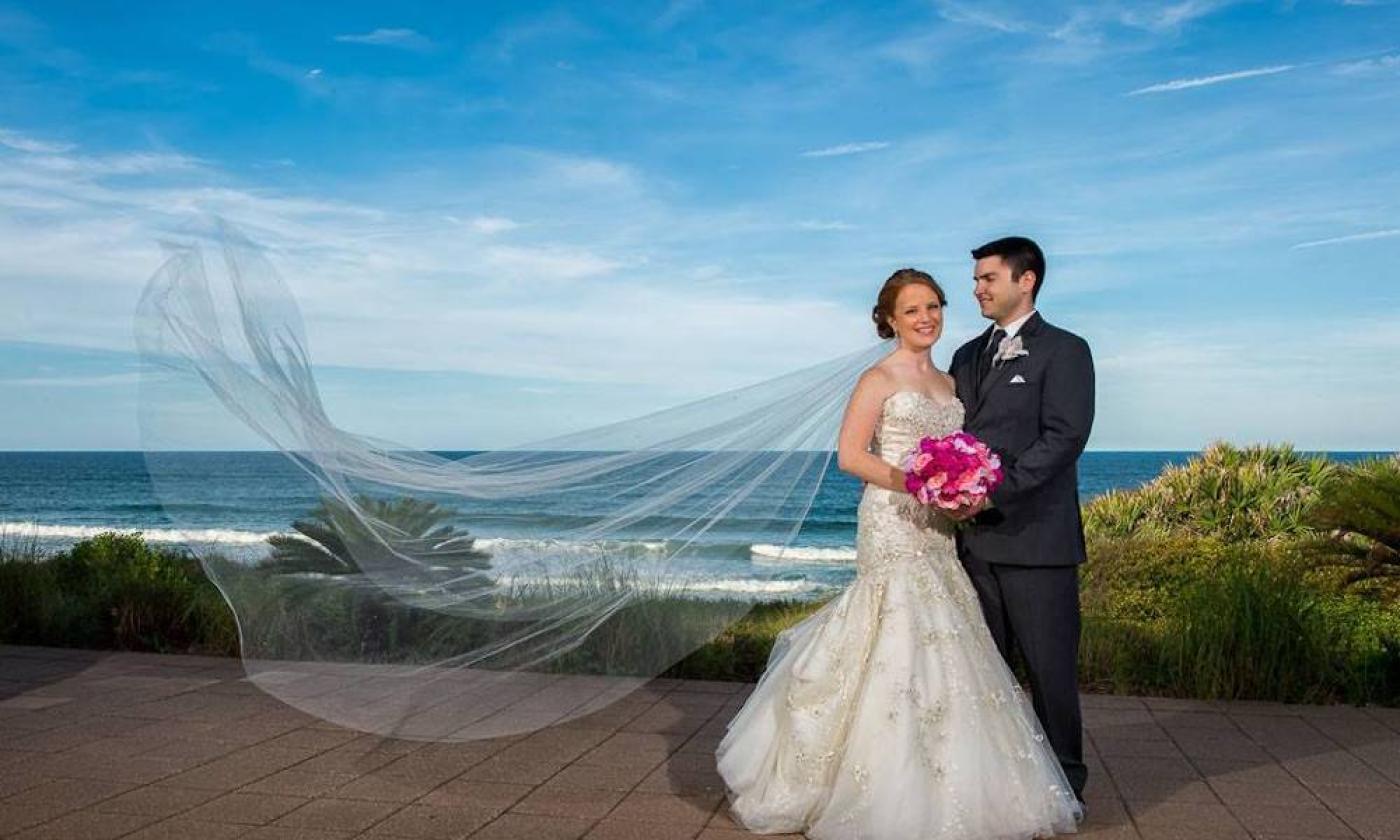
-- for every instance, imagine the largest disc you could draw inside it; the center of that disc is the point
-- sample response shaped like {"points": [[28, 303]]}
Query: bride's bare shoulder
{"points": [[876, 381]]}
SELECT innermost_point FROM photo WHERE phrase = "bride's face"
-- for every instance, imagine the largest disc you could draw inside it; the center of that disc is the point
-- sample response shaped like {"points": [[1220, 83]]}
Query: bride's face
{"points": [[918, 316]]}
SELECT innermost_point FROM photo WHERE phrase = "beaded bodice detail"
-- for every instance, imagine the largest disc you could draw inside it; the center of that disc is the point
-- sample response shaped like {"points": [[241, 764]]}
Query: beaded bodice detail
{"points": [[895, 526], [908, 416]]}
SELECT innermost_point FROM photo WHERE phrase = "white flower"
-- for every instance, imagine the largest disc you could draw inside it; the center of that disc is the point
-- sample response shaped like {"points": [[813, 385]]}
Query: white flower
{"points": [[1008, 349]]}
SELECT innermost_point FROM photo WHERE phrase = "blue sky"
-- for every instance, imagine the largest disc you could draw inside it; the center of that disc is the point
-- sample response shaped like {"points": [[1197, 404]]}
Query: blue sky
{"points": [[510, 220]]}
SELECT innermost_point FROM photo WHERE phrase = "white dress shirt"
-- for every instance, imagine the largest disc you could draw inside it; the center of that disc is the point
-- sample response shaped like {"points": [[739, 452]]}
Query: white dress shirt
{"points": [[1014, 327]]}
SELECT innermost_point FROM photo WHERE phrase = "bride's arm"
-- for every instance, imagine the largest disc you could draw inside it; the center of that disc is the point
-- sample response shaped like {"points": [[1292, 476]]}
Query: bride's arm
{"points": [[853, 453]]}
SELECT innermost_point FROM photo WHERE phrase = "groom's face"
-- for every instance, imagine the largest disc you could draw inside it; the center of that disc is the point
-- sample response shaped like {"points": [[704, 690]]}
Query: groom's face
{"points": [[998, 295]]}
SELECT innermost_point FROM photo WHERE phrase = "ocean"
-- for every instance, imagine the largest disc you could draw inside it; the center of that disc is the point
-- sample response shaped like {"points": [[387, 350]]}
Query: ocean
{"points": [[232, 501]]}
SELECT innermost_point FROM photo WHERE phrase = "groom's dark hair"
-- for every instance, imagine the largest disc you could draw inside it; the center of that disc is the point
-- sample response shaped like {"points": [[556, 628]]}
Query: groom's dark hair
{"points": [[1020, 253]]}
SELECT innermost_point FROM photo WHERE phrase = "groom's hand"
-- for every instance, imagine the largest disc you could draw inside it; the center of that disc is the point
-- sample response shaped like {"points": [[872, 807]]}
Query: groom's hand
{"points": [[966, 512]]}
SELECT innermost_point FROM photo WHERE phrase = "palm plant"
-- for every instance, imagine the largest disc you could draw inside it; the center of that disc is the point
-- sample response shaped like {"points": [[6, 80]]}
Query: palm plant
{"points": [[358, 616], [1361, 511], [334, 540]]}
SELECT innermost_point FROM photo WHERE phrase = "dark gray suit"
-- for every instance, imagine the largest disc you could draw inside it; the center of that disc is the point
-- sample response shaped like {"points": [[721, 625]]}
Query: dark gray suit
{"points": [[1022, 554]]}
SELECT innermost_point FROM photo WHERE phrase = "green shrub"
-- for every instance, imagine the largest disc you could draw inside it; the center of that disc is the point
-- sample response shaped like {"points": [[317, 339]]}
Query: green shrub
{"points": [[1250, 493], [113, 591], [1135, 578]]}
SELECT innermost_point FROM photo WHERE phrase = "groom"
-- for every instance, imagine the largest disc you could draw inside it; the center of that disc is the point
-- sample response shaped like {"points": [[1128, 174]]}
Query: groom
{"points": [[1029, 392]]}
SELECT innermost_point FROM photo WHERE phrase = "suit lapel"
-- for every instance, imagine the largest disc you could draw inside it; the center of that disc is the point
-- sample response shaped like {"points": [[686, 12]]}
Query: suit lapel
{"points": [[998, 375]]}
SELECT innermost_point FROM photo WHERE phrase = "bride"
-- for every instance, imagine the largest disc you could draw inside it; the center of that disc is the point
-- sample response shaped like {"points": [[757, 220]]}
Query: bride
{"points": [[889, 713]]}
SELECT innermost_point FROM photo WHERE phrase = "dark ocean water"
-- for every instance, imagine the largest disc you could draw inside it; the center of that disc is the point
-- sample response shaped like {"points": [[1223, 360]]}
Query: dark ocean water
{"points": [[231, 501]]}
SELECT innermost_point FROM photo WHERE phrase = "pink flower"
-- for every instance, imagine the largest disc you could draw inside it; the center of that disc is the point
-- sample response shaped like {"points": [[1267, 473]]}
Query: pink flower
{"points": [[951, 471]]}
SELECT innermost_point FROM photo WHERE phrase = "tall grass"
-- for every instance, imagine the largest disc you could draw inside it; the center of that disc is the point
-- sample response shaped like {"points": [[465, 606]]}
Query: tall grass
{"points": [[1253, 630], [1201, 617]]}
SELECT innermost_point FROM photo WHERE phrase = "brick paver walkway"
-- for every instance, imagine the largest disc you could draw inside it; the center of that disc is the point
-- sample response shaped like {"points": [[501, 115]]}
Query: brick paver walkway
{"points": [[101, 745]]}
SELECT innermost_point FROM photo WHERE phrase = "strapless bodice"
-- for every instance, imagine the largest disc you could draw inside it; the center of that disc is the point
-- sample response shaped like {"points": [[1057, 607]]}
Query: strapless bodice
{"points": [[908, 416]]}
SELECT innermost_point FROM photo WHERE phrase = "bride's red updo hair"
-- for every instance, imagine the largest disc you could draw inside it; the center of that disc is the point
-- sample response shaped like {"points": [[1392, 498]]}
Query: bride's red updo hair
{"points": [[884, 304]]}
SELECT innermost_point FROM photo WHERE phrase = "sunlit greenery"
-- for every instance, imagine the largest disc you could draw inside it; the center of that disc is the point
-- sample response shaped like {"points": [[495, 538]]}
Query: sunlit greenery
{"points": [[1246, 573]]}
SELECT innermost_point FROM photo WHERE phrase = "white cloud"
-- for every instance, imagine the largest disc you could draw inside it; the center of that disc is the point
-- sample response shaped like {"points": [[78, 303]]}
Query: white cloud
{"points": [[1369, 67], [846, 149], [591, 295], [358, 92], [407, 39], [1174, 15], [547, 29], [818, 224], [1354, 237], [485, 225], [1204, 81], [492, 224], [1077, 33], [548, 262], [1192, 384], [136, 163], [982, 17], [592, 172], [23, 143], [100, 381]]}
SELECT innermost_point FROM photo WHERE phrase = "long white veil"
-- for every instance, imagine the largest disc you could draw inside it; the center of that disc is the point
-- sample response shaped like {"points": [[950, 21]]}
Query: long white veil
{"points": [[386, 611]]}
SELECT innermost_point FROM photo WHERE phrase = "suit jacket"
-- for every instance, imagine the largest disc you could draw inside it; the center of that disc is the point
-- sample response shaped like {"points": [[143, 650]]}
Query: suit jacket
{"points": [[1039, 425]]}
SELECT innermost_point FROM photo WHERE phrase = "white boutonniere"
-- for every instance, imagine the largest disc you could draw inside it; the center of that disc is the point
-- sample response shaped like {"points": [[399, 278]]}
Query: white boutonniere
{"points": [[1008, 349]]}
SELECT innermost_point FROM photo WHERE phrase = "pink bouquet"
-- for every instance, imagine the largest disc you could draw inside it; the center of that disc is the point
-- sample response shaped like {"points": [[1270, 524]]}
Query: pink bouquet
{"points": [[951, 471]]}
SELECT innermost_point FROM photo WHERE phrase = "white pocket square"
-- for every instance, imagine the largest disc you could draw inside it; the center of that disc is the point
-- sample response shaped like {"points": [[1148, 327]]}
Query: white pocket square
{"points": [[1018, 379]]}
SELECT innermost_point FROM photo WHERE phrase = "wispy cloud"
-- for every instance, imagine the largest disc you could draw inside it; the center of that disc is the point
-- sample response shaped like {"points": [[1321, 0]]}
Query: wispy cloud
{"points": [[1174, 15], [1369, 66], [819, 224], [359, 91], [1077, 33], [487, 225], [552, 29], [1354, 237], [109, 380], [23, 143], [846, 149], [674, 12], [121, 163], [404, 39], [88, 237], [30, 38], [1204, 81], [972, 15]]}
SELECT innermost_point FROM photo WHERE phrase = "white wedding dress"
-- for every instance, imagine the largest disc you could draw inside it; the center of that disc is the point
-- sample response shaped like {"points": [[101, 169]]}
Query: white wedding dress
{"points": [[888, 714]]}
